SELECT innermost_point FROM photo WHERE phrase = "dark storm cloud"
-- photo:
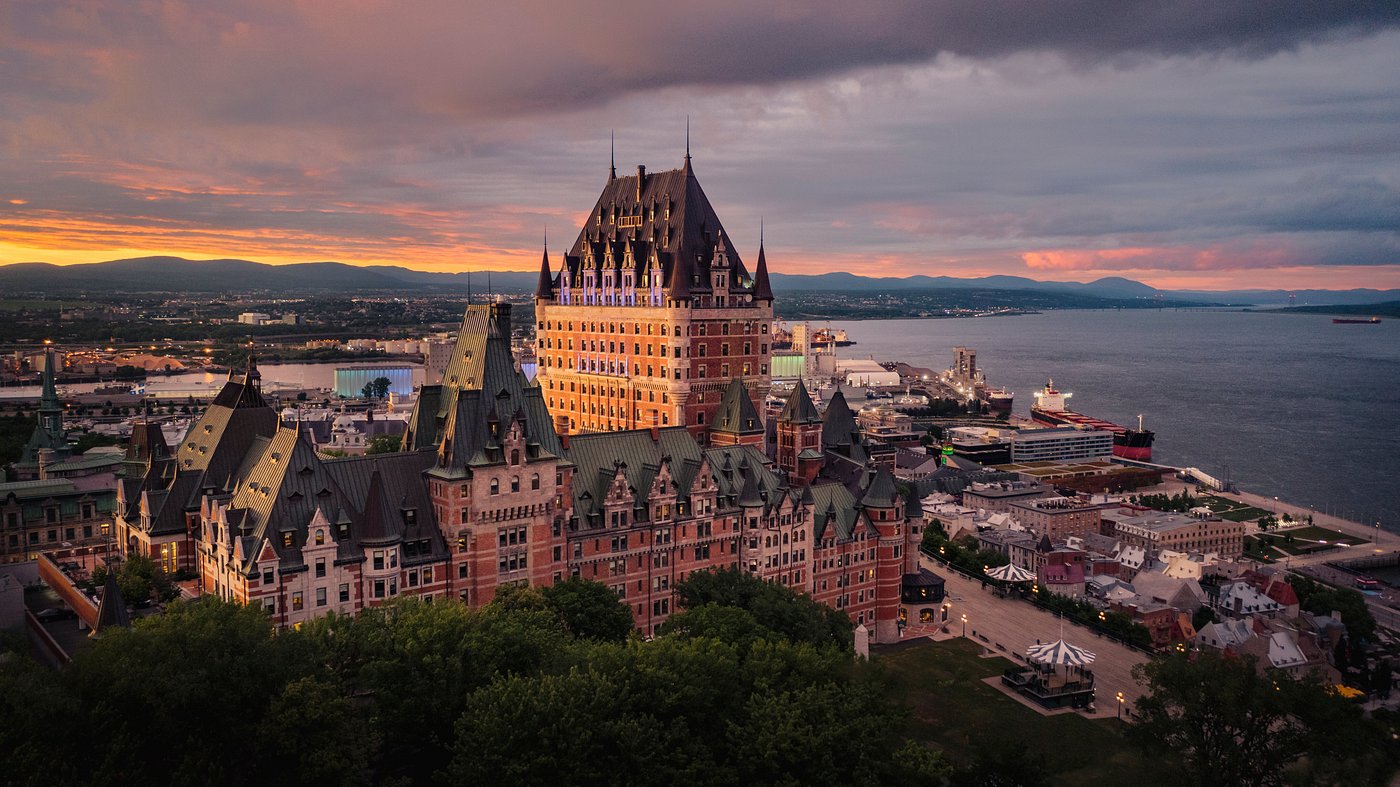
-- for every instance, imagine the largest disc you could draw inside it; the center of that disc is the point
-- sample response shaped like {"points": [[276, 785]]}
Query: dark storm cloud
{"points": [[262, 62], [922, 137]]}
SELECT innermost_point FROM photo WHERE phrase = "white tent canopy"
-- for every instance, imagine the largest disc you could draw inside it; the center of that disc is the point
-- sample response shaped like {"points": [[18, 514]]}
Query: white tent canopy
{"points": [[1010, 573], [1060, 652]]}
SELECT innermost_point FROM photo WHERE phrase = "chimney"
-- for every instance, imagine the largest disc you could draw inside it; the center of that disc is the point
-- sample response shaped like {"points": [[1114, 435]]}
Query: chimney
{"points": [[564, 440], [46, 457], [655, 433], [641, 179]]}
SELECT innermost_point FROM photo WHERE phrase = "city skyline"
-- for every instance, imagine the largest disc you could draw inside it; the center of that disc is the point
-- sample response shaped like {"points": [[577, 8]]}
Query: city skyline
{"points": [[1220, 147]]}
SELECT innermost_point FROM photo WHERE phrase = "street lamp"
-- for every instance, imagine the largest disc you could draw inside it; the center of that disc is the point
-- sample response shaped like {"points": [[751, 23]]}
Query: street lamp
{"points": [[964, 622], [1119, 697]]}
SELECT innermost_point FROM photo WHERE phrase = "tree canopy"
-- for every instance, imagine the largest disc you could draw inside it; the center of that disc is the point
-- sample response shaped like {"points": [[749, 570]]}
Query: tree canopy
{"points": [[538, 686], [1226, 722]]}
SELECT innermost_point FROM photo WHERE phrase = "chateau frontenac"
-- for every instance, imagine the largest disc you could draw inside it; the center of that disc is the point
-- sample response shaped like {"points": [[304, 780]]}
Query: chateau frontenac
{"points": [[636, 458]]}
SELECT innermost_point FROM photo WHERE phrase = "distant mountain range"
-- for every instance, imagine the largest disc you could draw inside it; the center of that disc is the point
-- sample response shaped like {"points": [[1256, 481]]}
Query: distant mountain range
{"points": [[176, 274]]}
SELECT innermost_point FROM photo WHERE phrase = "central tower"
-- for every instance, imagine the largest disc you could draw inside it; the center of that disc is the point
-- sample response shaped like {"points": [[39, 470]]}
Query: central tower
{"points": [[651, 313]]}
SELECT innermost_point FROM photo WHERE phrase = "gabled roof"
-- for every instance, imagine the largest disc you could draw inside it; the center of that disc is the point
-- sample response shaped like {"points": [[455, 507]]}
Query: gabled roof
{"points": [[736, 414], [481, 395]]}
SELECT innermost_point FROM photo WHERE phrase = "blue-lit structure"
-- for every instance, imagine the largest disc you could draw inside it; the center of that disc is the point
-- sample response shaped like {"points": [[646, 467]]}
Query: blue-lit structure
{"points": [[350, 381]]}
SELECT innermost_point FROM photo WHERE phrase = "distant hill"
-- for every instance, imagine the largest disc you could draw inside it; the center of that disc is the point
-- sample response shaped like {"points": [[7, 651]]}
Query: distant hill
{"points": [[176, 274]]}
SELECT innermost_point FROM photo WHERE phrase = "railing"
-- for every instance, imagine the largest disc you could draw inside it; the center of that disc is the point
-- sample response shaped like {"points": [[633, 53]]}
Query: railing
{"points": [[1024, 678]]}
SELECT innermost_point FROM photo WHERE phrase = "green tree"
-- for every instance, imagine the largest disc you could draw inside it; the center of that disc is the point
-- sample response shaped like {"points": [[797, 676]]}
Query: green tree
{"points": [[382, 386], [384, 444], [794, 615], [589, 609], [1225, 722], [368, 391]]}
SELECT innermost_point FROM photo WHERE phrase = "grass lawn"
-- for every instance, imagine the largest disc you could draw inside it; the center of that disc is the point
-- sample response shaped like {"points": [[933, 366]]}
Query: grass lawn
{"points": [[1316, 533], [1246, 514], [952, 709]]}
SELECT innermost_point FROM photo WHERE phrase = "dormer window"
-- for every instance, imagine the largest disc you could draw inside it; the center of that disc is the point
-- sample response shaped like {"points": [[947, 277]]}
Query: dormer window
{"points": [[287, 539], [320, 537]]}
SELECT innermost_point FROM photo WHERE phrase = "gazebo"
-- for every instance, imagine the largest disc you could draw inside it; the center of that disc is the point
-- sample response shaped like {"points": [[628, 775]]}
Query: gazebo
{"points": [[1043, 681], [1010, 573]]}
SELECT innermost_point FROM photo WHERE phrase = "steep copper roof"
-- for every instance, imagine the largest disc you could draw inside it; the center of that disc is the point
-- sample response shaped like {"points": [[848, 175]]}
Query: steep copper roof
{"points": [[659, 222], [736, 413], [799, 408]]}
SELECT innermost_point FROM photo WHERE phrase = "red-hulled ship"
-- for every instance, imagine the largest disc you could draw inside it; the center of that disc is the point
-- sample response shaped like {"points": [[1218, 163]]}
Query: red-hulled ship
{"points": [[1050, 409]]}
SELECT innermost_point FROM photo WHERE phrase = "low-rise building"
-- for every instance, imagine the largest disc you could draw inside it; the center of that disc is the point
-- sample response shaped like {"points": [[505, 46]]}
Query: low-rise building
{"points": [[1156, 531], [50, 514], [1000, 496], [1058, 517]]}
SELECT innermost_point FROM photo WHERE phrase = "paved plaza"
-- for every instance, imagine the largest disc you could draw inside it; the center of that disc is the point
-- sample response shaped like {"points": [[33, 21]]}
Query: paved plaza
{"points": [[1016, 625]]}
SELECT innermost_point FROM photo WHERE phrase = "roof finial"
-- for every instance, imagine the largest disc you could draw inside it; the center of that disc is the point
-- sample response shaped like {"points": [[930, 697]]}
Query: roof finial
{"points": [[760, 232], [687, 141], [612, 155]]}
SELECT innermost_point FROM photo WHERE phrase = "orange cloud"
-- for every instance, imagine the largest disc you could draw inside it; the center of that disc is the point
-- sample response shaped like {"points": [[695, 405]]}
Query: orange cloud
{"points": [[1161, 258]]}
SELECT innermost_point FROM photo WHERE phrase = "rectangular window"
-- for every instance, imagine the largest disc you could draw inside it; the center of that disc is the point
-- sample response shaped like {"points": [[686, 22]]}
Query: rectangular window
{"points": [[379, 588], [379, 561], [296, 601], [345, 592], [267, 577], [320, 597], [320, 567]]}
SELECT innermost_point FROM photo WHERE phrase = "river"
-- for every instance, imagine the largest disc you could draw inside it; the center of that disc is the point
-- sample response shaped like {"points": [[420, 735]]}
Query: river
{"points": [[1284, 405]]}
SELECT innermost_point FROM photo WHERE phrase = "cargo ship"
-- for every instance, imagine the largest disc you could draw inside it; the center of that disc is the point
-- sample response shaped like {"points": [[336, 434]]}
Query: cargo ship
{"points": [[1051, 409], [1345, 321]]}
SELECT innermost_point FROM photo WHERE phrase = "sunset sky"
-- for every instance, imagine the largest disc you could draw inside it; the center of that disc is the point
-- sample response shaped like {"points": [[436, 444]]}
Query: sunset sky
{"points": [[1206, 144]]}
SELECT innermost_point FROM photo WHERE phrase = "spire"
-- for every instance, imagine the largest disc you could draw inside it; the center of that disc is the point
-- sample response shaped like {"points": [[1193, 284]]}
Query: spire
{"points": [[612, 156], [50, 396], [544, 290], [687, 142], [762, 290], [111, 612]]}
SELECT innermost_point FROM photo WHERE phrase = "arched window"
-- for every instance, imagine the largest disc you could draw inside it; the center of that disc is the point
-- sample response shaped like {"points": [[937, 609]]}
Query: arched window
{"points": [[515, 456], [320, 537], [495, 486], [515, 483], [535, 481]]}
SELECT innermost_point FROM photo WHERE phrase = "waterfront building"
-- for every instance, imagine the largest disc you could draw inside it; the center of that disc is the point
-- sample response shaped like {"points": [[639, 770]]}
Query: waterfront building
{"points": [[1059, 444], [651, 312], [1155, 531]]}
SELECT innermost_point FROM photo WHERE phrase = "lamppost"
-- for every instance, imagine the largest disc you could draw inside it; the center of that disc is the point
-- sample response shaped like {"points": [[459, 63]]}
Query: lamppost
{"points": [[1119, 697], [964, 622]]}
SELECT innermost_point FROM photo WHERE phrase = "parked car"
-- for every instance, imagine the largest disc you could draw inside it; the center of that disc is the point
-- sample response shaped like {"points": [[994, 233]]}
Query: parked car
{"points": [[55, 613]]}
